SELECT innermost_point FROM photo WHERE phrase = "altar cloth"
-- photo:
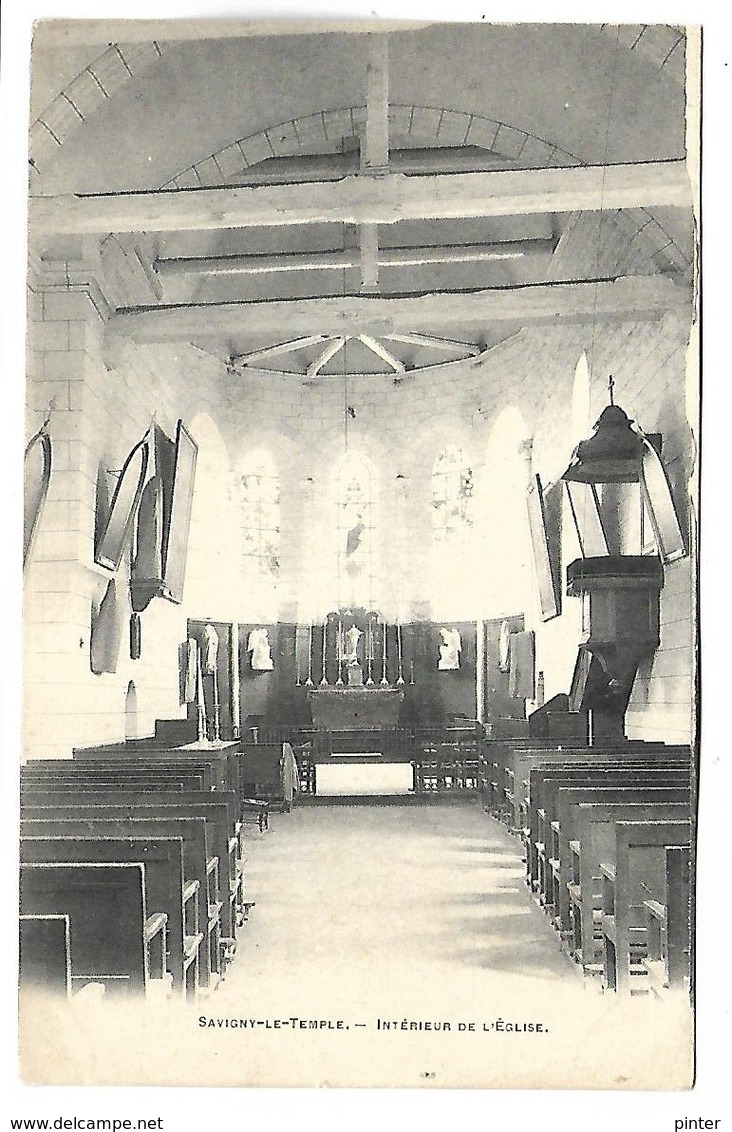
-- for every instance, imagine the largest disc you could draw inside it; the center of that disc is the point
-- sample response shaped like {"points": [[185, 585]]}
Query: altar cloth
{"points": [[334, 780]]}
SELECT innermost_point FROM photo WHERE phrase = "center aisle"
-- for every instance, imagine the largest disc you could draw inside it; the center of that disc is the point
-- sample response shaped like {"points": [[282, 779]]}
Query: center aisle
{"points": [[392, 944], [373, 901]]}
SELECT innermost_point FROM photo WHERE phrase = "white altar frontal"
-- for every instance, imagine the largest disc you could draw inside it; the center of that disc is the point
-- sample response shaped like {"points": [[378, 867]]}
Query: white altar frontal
{"points": [[358, 779]]}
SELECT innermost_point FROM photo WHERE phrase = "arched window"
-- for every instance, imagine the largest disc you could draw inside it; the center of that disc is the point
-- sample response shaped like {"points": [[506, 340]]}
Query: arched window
{"points": [[260, 505], [213, 569], [131, 717], [355, 530], [508, 582], [452, 495], [581, 423], [453, 519]]}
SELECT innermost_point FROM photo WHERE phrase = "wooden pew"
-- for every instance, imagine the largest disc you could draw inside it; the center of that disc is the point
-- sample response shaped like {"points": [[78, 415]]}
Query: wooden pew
{"points": [[215, 768], [99, 822], [545, 779], [649, 755], [217, 927], [146, 753], [595, 844], [110, 933], [637, 874], [668, 926], [165, 888], [45, 954], [222, 768], [526, 761], [545, 783], [494, 758], [219, 808], [566, 830], [513, 764], [189, 779], [498, 757]]}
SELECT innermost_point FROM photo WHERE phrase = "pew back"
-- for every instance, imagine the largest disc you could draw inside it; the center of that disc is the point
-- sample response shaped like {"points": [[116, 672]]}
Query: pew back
{"points": [[105, 905], [45, 954], [109, 821], [164, 884], [638, 873]]}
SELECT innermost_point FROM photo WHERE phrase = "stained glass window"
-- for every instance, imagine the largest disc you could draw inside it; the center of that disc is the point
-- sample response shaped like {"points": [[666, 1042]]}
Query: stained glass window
{"points": [[354, 521], [452, 495], [260, 496]]}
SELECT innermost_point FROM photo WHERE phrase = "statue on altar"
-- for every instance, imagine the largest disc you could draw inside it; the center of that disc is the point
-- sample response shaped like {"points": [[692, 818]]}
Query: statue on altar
{"points": [[258, 645], [449, 650], [352, 637]]}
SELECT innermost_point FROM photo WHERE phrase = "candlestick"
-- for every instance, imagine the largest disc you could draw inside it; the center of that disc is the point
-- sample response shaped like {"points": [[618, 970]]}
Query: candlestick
{"points": [[400, 677], [235, 678], [324, 680], [411, 672], [384, 680], [217, 708], [309, 681], [369, 651], [297, 661], [200, 702], [339, 650]]}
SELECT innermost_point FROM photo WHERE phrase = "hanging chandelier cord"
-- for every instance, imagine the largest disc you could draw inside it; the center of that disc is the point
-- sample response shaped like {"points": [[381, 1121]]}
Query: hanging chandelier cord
{"points": [[613, 76], [345, 347], [591, 365]]}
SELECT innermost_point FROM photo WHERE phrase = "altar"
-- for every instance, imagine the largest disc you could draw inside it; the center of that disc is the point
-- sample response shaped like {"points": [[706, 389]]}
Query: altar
{"points": [[355, 709]]}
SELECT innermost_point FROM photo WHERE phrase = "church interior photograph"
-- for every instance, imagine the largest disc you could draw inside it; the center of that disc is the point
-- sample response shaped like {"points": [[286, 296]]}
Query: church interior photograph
{"points": [[360, 555]]}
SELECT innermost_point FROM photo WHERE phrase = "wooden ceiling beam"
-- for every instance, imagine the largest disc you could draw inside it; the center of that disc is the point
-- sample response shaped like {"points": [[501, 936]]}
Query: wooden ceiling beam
{"points": [[366, 199], [631, 298], [368, 238], [381, 352], [374, 148], [451, 345], [279, 348], [265, 264], [375, 141], [329, 352], [333, 166]]}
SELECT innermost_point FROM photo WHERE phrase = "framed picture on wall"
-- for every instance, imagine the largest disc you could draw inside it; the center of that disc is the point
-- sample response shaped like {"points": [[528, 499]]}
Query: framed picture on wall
{"points": [[115, 532], [546, 573], [175, 536]]}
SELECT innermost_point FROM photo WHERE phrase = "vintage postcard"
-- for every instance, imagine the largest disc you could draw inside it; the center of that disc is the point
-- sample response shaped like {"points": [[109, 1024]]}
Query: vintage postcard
{"points": [[361, 555]]}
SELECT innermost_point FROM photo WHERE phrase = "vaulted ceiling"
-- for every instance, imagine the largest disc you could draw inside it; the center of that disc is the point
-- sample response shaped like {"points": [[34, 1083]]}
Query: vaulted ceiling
{"points": [[369, 201]]}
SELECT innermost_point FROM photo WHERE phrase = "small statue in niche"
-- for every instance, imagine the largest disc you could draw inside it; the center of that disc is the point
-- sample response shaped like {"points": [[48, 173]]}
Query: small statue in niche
{"points": [[449, 650], [258, 645]]}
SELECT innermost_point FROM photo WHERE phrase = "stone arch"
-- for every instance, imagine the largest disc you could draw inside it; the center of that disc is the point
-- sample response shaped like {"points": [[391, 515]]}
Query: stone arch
{"points": [[211, 575], [117, 65], [131, 714], [432, 124], [505, 531], [580, 426], [661, 44], [438, 125]]}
